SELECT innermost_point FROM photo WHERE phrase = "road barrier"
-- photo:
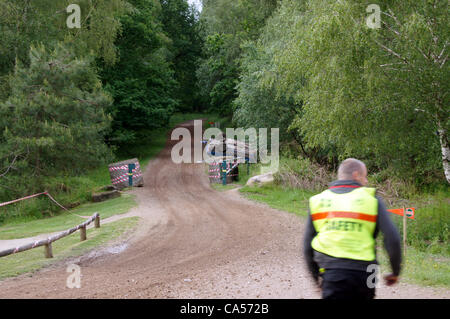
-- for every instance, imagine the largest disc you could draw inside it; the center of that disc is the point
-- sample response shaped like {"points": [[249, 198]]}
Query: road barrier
{"points": [[216, 171], [126, 173], [48, 241]]}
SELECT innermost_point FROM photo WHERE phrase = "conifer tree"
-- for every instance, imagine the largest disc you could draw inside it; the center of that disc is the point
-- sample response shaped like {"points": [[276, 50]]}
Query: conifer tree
{"points": [[54, 120]]}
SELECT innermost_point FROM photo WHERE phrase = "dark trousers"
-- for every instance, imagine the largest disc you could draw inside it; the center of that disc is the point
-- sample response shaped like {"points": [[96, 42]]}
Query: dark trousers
{"points": [[346, 284]]}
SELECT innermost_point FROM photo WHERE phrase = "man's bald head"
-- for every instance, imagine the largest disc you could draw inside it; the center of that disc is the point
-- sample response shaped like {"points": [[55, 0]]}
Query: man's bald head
{"points": [[353, 169]]}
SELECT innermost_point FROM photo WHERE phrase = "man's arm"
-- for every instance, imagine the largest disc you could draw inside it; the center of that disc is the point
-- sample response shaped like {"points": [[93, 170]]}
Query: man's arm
{"points": [[308, 252], [392, 241]]}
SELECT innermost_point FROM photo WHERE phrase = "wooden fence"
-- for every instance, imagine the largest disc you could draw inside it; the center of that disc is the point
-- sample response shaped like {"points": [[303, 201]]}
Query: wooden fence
{"points": [[48, 241]]}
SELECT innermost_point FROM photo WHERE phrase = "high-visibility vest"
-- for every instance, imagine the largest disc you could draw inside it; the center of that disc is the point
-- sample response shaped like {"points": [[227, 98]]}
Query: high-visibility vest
{"points": [[345, 223]]}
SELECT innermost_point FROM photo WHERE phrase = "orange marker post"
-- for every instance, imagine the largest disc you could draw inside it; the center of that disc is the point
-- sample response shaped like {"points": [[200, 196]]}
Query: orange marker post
{"points": [[404, 233], [406, 213]]}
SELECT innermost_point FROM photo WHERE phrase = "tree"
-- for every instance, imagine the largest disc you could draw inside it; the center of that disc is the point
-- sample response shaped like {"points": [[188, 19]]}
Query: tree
{"points": [[411, 57], [258, 104], [142, 82], [25, 23], [54, 120], [225, 26], [180, 24], [379, 94]]}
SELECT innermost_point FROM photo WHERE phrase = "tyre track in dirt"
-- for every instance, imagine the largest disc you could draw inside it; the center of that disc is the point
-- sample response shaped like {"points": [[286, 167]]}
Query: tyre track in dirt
{"points": [[193, 242]]}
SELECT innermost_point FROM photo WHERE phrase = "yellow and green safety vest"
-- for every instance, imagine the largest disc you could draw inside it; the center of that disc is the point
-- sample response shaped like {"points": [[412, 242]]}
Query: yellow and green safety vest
{"points": [[345, 223]]}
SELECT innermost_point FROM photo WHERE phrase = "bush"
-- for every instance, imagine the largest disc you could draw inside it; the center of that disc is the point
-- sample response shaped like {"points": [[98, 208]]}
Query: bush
{"points": [[302, 173]]}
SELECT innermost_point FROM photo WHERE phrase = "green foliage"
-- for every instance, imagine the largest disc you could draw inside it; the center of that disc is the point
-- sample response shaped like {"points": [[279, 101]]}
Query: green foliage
{"points": [[55, 115], [258, 104], [366, 89], [180, 23], [158, 40], [218, 75], [53, 122], [334, 86], [226, 25], [26, 23], [302, 173]]}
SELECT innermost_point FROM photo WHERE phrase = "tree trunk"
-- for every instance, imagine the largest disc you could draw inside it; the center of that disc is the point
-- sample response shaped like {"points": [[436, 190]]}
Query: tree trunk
{"points": [[445, 149]]}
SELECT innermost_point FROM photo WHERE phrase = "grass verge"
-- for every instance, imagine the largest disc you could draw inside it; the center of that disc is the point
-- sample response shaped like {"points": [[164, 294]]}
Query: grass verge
{"points": [[70, 246], [66, 220], [223, 188], [290, 200], [420, 267]]}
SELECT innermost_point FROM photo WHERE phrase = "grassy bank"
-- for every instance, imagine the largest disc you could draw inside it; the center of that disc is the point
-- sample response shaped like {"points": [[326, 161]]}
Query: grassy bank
{"points": [[70, 246], [420, 266], [291, 200], [66, 220]]}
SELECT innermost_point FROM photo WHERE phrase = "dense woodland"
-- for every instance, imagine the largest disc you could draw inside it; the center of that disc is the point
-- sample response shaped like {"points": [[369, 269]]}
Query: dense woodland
{"points": [[334, 86], [71, 98]]}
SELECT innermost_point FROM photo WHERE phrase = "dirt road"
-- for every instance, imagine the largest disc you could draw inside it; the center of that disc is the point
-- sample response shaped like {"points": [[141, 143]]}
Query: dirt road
{"points": [[193, 242]]}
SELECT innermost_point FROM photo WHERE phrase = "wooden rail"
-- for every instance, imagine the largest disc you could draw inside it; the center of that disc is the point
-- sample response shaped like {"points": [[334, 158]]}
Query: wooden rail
{"points": [[48, 241]]}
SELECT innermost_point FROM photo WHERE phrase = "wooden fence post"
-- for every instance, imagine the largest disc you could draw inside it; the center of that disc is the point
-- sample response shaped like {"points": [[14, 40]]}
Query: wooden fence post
{"points": [[83, 233], [47, 243], [48, 250]]}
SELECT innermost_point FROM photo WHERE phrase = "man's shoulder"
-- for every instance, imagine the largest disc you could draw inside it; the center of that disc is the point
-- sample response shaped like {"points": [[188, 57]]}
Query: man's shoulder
{"points": [[372, 191], [379, 197], [318, 195]]}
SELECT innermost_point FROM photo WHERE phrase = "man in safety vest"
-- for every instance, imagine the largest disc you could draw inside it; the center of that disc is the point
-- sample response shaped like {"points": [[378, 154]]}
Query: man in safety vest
{"points": [[339, 242]]}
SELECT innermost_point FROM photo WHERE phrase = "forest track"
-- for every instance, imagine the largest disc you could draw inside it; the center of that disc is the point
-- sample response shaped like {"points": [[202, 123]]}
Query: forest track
{"points": [[193, 242]]}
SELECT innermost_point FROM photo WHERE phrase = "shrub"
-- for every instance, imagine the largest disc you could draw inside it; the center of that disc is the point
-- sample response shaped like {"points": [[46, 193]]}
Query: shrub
{"points": [[302, 173]]}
